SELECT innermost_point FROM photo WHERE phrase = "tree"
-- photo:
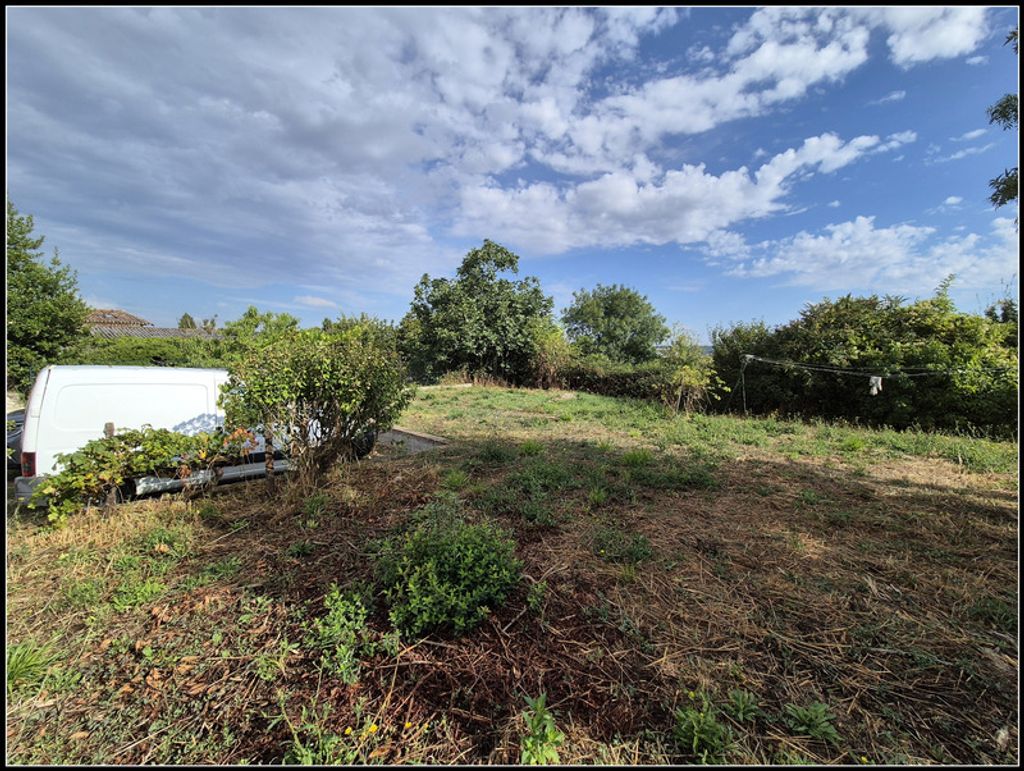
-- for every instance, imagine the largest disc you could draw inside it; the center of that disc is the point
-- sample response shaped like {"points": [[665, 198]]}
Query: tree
{"points": [[1005, 112], [186, 322], [476, 321], [45, 315], [614, 321]]}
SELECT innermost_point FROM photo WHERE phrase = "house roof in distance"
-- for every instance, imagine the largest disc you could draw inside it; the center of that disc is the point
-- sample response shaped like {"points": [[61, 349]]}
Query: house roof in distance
{"points": [[114, 317]]}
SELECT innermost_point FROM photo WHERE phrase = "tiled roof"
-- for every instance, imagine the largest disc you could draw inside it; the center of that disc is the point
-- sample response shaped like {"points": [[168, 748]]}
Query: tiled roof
{"points": [[124, 330], [112, 316]]}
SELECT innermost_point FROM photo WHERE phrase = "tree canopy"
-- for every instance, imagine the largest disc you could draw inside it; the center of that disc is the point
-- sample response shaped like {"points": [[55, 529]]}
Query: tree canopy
{"points": [[614, 321], [45, 315], [478, 320], [186, 321]]}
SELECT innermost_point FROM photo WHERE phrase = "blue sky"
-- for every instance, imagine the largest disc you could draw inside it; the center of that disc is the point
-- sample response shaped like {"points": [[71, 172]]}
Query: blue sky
{"points": [[730, 163]]}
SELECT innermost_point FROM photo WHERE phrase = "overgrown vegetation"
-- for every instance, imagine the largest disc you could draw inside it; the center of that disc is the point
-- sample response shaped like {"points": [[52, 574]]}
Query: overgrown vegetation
{"points": [[220, 632]]}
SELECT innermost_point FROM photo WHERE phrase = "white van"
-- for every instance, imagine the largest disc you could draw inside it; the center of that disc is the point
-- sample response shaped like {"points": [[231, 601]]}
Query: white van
{"points": [[70, 405]]}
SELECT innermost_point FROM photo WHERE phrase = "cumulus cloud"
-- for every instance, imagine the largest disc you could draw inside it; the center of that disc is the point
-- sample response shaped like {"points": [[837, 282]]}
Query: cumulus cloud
{"points": [[899, 258], [976, 60], [683, 206], [953, 200]]}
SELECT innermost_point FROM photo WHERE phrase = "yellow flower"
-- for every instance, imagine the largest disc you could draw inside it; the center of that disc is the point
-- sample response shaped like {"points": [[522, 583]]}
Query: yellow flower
{"points": [[348, 731], [863, 759], [373, 728], [408, 724]]}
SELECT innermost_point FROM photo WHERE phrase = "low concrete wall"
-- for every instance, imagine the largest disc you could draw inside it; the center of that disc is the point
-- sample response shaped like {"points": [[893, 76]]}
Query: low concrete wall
{"points": [[412, 441]]}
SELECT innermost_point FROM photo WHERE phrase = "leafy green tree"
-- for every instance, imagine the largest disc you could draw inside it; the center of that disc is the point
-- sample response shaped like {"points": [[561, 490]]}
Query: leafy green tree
{"points": [[186, 321], [250, 329], [45, 315], [1006, 113], [692, 382], [477, 320], [614, 321]]}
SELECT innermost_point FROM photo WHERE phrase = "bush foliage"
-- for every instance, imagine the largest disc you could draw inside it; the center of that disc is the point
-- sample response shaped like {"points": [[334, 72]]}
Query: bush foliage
{"points": [[964, 367], [318, 392], [446, 573]]}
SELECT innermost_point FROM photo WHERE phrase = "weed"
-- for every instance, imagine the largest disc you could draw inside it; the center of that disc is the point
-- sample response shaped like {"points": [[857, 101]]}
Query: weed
{"points": [[455, 479], [316, 504], [299, 549], [495, 453], [613, 545], [597, 496], [256, 609], [699, 733], [27, 663], [82, 593], [535, 596], [814, 720], [539, 746], [742, 705], [338, 633], [133, 592], [270, 665], [531, 447], [637, 458], [995, 613]]}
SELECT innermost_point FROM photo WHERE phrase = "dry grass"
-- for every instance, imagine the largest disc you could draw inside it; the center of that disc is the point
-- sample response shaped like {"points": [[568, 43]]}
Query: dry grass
{"points": [[882, 586]]}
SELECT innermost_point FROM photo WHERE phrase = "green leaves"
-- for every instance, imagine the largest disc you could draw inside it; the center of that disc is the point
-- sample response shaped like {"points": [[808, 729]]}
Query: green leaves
{"points": [[45, 315], [614, 321], [477, 321]]}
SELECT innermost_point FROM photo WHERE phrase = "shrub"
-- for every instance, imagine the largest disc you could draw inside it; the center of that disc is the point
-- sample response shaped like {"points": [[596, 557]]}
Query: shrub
{"points": [[445, 573], [317, 393], [103, 466], [964, 373]]}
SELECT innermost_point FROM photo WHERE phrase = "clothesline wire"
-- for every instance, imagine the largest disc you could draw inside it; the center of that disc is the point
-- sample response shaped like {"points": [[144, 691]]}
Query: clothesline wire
{"points": [[859, 371]]}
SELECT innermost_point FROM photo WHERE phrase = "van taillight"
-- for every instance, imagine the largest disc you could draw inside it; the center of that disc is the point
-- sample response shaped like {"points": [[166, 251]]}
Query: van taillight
{"points": [[28, 464]]}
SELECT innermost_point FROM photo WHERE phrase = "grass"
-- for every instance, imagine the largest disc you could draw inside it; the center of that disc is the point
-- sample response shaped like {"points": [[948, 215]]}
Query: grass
{"points": [[695, 589]]}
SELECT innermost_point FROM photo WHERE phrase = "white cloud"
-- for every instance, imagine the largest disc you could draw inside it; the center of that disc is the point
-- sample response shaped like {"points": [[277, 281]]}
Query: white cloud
{"points": [[312, 301], [976, 60], [899, 258], [892, 96], [967, 151], [684, 205], [834, 204], [968, 136], [953, 200]]}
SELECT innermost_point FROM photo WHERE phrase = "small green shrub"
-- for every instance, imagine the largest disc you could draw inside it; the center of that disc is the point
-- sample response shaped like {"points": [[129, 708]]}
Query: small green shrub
{"points": [[814, 720], [699, 733], [315, 505], [539, 747], [445, 573], [637, 458]]}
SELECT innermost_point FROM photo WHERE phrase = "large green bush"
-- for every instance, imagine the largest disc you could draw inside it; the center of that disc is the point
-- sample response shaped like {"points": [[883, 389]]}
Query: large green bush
{"points": [[317, 393], [146, 352], [964, 373], [445, 573]]}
